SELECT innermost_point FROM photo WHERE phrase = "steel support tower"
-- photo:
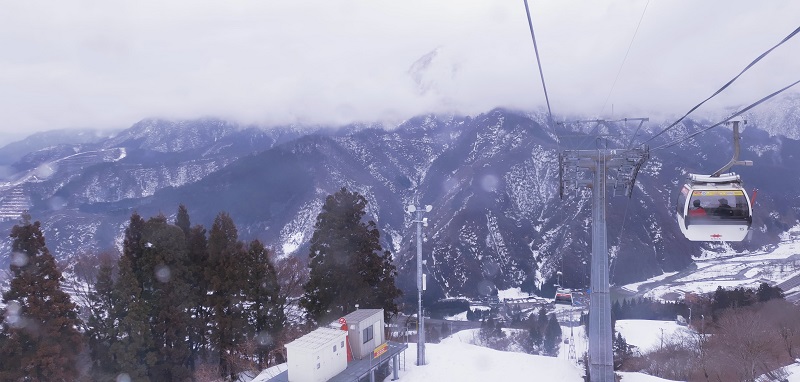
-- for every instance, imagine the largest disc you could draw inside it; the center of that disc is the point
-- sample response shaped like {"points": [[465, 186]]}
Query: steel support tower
{"points": [[600, 169], [421, 221]]}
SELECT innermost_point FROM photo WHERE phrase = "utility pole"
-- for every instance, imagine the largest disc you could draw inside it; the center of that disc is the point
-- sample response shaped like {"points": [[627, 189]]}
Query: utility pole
{"points": [[420, 278], [599, 169]]}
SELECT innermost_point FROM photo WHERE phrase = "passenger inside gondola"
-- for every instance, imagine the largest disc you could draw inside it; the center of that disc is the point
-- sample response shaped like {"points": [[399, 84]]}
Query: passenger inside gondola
{"points": [[724, 210], [708, 207], [697, 210]]}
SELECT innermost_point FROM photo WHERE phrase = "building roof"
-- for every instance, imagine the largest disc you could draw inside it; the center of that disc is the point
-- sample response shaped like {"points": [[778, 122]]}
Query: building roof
{"points": [[317, 339], [361, 315]]}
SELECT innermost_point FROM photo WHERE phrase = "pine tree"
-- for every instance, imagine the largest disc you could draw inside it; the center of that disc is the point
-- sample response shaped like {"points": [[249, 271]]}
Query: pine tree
{"points": [[224, 274], [348, 265], [133, 350], [765, 292], [533, 341], [542, 319], [101, 332], [39, 340], [262, 291], [622, 351], [199, 314], [182, 220], [552, 336], [132, 245], [166, 261]]}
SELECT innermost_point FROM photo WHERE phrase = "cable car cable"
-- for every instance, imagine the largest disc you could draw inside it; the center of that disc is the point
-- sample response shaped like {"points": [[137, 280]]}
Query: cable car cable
{"points": [[795, 32], [624, 59], [538, 62], [546, 97], [675, 142], [619, 237]]}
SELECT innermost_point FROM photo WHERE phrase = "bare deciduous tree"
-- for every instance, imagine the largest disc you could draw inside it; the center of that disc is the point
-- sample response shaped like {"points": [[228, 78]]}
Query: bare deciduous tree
{"points": [[292, 275]]}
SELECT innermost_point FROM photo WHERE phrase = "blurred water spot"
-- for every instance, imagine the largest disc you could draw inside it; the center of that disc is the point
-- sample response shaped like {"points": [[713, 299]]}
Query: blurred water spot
{"points": [[489, 183], [163, 273], [490, 267], [124, 377], [485, 287], [19, 259], [56, 203], [6, 171], [44, 171], [449, 185], [13, 314], [264, 339]]}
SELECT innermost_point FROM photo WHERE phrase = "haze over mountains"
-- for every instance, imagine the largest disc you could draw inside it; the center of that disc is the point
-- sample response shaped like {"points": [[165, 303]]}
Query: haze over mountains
{"points": [[497, 220]]}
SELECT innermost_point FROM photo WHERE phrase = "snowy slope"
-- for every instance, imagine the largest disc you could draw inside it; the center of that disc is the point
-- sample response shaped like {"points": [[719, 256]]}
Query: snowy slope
{"points": [[458, 361], [729, 268]]}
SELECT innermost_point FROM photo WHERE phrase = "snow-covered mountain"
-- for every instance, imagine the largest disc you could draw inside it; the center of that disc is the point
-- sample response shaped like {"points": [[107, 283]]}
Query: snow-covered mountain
{"points": [[497, 220]]}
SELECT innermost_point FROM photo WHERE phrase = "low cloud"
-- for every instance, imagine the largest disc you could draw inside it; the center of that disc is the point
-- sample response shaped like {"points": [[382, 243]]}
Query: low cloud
{"points": [[109, 64]]}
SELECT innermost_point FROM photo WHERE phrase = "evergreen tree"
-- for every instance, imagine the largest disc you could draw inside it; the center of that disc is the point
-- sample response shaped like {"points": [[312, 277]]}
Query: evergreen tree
{"points": [[263, 296], [182, 220], [226, 255], [101, 324], [765, 292], [39, 339], [542, 318], [535, 339], [166, 259], [347, 264], [491, 334], [552, 336], [471, 315], [133, 350], [132, 245], [198, 297], [622, 351], [445, 329]]}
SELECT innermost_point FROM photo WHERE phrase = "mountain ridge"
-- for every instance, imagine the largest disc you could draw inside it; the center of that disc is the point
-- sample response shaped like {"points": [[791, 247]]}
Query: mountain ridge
{"points": [[492, 179]]}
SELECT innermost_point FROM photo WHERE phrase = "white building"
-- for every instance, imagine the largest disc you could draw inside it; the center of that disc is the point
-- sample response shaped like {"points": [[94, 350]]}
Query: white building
{"points": [[317, 356], [365, 327]]}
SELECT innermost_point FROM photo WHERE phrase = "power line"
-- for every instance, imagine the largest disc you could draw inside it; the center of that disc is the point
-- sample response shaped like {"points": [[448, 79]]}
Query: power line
{"points": [[538, 61], [624, 58], [673, 143], [796, 31]]}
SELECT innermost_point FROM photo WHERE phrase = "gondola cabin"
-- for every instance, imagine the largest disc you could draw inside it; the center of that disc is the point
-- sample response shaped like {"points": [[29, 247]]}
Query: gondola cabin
{"points": [[714, 208], [563, 296]]}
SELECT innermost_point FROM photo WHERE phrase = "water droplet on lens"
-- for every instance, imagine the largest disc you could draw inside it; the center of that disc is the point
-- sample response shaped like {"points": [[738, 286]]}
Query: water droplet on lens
{"points": [[56, 203], [264, 339], [19, 259], [163, 273], [485, 287], [44, 171], [490, 183]]}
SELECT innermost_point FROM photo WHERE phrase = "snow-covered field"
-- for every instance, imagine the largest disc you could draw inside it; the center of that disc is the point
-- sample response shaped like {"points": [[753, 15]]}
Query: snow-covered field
{"points": [[729, 269], [646, 335], [456, 359]]}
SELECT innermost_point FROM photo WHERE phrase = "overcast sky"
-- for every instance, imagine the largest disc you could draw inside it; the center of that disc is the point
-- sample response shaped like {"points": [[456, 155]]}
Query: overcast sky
{"points": [[110, 63]]}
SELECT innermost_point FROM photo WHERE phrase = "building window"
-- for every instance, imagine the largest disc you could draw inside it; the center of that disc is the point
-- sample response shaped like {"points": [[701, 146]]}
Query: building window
{"points": [[334, 348], [367, 334], [342, 344], [317, 366]]}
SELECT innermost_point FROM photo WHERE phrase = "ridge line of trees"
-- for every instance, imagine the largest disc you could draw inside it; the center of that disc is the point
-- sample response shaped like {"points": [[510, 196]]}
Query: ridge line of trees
{"points": [[184, 303]]}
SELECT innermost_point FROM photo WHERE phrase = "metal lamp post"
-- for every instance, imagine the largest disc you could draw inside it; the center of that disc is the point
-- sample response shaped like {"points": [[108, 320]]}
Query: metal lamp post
{"points": [[420, 284]]}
